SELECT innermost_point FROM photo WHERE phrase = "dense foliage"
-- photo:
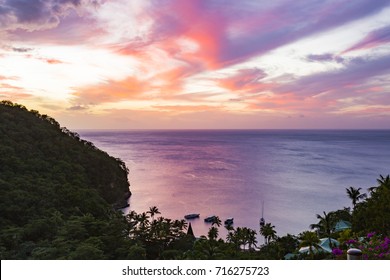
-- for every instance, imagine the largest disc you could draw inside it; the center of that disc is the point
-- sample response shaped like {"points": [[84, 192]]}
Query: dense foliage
{"points": [[57, 191]]}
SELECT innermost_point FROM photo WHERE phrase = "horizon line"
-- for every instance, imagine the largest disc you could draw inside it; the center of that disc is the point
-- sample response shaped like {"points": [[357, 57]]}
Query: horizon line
{"points": [[229, 129]]}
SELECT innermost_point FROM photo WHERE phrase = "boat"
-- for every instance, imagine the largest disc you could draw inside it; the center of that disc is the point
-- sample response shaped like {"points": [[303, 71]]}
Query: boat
{"points": [[229, 221], [210, 219], [191, 216], [262, 221]]}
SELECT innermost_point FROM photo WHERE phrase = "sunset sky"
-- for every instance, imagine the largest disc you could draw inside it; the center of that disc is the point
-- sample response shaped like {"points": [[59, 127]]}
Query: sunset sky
{"points": [[131, 64]]}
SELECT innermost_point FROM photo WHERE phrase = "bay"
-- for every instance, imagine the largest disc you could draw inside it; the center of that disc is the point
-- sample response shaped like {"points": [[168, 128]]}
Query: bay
{"points": [[231, 173]]}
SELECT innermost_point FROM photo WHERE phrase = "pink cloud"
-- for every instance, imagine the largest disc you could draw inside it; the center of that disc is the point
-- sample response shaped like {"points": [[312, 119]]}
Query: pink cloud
{"points": [[229, 34], [10, 92], [246, 81]]}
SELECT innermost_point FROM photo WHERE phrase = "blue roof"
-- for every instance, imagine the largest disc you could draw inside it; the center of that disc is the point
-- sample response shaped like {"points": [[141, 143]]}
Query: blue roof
{"points": [[342, 225]]}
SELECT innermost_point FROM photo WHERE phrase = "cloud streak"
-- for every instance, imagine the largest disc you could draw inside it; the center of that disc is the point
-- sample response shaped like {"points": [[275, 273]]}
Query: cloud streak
{"points": [[225, 35], [246, 81], [371, 40]]}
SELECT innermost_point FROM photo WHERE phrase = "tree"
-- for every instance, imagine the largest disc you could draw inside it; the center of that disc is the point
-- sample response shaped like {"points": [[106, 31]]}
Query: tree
{"points": [[213, 233], [153, 211], [268, 232], [216, 221], [374, 213], [251, 238], [143, 220], [355, 195], [204, 249], [325, 226], [383, 182], [310, 239]]}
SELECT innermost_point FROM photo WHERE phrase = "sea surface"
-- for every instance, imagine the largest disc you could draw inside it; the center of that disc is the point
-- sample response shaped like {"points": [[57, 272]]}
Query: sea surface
{"points": [[295, 174]]}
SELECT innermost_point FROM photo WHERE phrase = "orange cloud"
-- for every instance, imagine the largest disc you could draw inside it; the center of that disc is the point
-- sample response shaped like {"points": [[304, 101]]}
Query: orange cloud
{"points": [[164, 85], [171, 82], [291, 103], [111, 91], [53, 61], [188, 108], [10, 92]]}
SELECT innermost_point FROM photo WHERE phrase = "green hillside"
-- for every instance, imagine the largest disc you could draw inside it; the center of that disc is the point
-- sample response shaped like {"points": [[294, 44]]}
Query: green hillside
{"points": [[57, 192]]}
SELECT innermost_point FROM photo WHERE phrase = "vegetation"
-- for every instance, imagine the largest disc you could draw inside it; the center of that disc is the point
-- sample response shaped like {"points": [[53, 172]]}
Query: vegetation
{"points": [[57, 191], [355, 195], [59, 197]]}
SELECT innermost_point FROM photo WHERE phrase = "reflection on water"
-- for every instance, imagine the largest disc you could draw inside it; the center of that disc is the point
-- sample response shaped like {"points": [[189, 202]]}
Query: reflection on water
{"points": [[229, 173]]}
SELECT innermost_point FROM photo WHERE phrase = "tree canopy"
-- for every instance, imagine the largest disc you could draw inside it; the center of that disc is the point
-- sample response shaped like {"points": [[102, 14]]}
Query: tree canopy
{"points": [[57, 191]]}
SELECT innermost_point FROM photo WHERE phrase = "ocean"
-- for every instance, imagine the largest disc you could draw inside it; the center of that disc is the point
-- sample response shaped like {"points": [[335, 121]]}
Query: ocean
{"points": [[295, 174]]}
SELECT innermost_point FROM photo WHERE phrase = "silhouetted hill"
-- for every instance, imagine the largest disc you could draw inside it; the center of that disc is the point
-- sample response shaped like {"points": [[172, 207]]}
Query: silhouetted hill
{"points": [[55, 187]]}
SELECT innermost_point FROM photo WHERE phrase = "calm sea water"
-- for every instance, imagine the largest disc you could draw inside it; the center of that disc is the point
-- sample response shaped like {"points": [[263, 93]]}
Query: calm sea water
{"points": [[230, 173]]}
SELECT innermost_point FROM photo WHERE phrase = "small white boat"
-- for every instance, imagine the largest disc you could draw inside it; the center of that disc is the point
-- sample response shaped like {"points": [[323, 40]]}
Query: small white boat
{"points": [[229, 221], [191, 216]]}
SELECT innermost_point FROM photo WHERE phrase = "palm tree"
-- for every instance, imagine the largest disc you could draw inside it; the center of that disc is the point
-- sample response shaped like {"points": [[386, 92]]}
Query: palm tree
{"points": [[355, 195], [143, 220], [153, 211], [325, 226], [384, 181], [310, 239], [178, 227], [268, 232], [132, 222], [213, 233], [216, 221], [234, 237], [229, 227], [160, 228], [243, 235], [251, 238], [204, 249]]}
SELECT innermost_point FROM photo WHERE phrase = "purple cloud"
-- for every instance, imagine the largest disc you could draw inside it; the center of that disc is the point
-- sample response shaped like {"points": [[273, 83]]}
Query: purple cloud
{"points": [[375, 38], [346, 82], [293, 20], [327, 57], [246, 80], [78, 108], [22, 50], [36, 14]]}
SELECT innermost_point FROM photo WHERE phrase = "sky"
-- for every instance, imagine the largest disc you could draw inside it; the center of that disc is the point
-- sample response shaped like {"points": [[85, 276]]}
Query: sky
{"points": [[199, 64]]}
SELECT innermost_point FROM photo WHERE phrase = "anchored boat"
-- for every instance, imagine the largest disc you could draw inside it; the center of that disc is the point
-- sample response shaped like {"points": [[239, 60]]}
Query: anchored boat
{"points": [[191, 216], [210, 219]]}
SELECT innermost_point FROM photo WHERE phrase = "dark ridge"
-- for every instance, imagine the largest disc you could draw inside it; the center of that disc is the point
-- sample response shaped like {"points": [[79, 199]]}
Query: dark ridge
{"points": [[46, 171]]}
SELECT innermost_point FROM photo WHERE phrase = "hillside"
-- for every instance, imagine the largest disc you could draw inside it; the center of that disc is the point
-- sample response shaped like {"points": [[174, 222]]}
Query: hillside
{"points": [[56, 190]]}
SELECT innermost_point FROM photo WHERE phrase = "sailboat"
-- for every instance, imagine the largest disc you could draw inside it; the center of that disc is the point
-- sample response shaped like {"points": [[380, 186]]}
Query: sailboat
{"points": [[262, 221]]}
